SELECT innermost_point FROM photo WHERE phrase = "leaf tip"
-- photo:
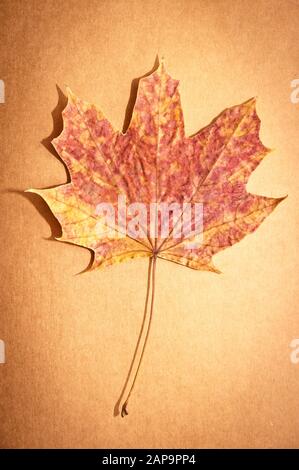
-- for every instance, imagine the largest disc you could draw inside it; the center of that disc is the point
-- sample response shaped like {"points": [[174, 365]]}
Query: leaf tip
{"points": [[280, 199], [161, 67], [71, 96], [215, 270], [251, 103], [268, 150]]}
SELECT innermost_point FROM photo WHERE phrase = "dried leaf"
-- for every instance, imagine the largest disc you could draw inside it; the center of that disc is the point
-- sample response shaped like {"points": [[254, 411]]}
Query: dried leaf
{"points": [[154, 162]]}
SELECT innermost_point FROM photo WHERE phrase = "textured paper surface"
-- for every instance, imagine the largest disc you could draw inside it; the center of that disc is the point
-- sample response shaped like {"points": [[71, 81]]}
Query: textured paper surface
{"points": [[217, 371]]}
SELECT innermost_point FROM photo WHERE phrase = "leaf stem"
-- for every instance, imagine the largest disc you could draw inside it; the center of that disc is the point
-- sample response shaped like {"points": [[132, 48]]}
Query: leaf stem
{"points": [[151, 283]]}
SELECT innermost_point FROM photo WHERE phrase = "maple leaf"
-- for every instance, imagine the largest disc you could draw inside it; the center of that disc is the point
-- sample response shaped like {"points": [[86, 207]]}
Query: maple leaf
{"points": [[155, 162]]}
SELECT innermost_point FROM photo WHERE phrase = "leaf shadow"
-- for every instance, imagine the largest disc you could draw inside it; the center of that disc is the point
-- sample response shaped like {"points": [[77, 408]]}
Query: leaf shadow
{"points": [[43, 209], [57, 128], [133, 95], [35, 199]]}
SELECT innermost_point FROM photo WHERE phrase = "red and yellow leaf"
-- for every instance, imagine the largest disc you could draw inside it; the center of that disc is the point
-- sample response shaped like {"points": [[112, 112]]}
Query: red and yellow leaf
{"points": [[154, 161]]}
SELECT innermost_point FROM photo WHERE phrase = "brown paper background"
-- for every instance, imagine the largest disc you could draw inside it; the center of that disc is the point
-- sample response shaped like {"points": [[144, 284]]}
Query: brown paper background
{"points": [[217, 371]]}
